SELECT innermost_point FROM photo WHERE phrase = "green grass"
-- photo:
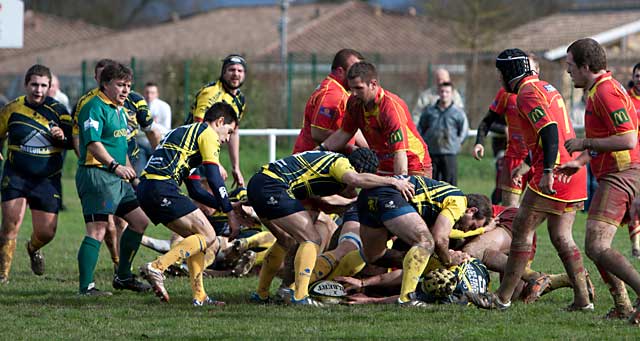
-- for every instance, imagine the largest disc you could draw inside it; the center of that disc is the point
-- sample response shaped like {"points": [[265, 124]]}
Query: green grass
{"points": [[47, 307]]}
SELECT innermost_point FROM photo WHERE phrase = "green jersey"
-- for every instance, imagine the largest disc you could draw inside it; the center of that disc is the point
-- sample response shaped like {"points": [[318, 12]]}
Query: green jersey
{"points": [[100, 120]]}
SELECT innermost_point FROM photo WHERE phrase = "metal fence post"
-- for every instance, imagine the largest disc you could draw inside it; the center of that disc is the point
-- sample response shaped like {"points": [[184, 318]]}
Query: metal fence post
{"points": [[314, 68]]}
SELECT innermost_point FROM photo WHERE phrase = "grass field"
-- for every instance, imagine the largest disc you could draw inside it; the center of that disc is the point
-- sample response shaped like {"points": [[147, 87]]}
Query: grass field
{"points": [[47, 307]]}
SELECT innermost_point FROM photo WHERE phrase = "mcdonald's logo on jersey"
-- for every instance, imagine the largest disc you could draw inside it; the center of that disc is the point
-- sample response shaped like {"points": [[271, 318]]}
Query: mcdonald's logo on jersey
{"points": [[536, 114], [619, 117]]}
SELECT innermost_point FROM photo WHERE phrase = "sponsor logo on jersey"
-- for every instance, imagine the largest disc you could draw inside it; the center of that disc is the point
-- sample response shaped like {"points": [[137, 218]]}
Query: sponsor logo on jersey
{"points": [[396, 137], [120, 133], [91, 123], [327, 112], [536, 114], [549, 88], [619, 117]]}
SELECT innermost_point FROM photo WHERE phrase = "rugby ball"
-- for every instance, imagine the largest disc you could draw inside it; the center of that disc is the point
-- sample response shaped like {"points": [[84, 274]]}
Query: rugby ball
{"points": [[328, 292]]}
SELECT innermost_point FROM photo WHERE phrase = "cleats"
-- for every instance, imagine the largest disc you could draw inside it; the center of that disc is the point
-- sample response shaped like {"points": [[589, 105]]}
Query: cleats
{"points": [[240, 245], [487, 300], [92, 291], [284, 295], [573, 307], [619, 313], [156, 279], [308, 301], [536, 287], [130, 283], [255, 298], [37, 261], [207, 302], [634, 319], [244, 264]]}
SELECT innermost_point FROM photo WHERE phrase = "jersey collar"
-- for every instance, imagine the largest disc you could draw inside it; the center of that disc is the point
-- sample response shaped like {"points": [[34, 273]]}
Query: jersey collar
{"points": [[633, 92], [599, 80], [106, 99], [527, 80], [334, 79]]}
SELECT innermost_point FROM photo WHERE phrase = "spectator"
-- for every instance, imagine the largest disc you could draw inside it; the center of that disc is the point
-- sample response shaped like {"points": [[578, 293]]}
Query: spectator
{"points": [[160, 110], [430, 96], [57, 94], [444, 126]]}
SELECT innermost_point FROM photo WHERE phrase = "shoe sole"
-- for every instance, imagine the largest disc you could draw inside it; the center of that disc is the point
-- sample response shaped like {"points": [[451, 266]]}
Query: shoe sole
{"points": [[158, 289], [245, 264], [537, 288]]}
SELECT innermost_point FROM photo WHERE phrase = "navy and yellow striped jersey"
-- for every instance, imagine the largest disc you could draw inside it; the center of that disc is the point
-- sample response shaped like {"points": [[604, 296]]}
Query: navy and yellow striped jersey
{"points": [[31, 147], [311, 173], [433, 197], [211, 93], [138, 114], [181, 150]]}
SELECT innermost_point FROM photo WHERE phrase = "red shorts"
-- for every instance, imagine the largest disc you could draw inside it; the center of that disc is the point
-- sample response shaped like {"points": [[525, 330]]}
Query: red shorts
{"points": [[504, 181], [537, 202], [614, 195]]}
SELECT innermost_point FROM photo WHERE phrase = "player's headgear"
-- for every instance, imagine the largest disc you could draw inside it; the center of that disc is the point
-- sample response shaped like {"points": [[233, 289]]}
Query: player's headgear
{"points": [[512, 63], [364, 160], [229, 60], [440, 283]]}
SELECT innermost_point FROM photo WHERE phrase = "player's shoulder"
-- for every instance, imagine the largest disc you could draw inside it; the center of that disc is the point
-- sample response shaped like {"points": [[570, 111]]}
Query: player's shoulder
{"points": [[135, 97], [55, 105], [14, 105]]}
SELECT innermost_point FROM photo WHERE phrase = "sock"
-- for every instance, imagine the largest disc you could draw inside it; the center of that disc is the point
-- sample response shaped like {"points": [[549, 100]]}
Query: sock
{"points": [[129, 244], [7, 248], [196, 266], [87, 260], [272, 262], [34, 243], [530, 274], [260, 257], [517, 261], [116, 260], [413, 266], [262, 239], [324, 266], [617, 289], [572, 261], [184, 249], [303, 267], [559, 281], [349, 265], [210, 255]]}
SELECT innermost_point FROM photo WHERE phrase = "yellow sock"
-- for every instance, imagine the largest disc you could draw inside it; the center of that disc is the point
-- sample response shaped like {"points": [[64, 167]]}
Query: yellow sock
{"points": [[260, 257], [7, 248], [211, 253], [560, 281], [303, 267], [324, 266], [196, 266], [262, 239], [415, 261], [35, 243], [434, 263], [184, 249], [272, 262], [349, 265]]}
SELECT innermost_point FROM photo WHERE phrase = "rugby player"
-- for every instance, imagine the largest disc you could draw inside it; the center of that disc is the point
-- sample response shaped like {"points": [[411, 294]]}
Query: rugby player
{"points": [[276, 191], [634, 94], [181, 151], [545, 127], [385, 122], [504, 106], [103, 168], [423, 223], [138, 115], [226, 89], [37, 128], [611, 147]]}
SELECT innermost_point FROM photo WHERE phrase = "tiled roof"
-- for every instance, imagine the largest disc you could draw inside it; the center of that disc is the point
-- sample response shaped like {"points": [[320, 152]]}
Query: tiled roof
{"points": [[43, 31]]}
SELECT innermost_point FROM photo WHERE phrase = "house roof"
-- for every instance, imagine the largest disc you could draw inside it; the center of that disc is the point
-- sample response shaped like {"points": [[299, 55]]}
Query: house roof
{"points": [[369, 30], [215, 33], [557, 31], [44, 31]]}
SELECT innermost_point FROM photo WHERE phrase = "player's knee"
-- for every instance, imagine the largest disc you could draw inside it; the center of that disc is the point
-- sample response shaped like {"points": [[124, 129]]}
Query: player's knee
{"points": [[593, 250], [10, 228]]}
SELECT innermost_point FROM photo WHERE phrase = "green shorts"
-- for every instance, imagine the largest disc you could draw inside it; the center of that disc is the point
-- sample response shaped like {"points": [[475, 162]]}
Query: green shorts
{"points": [[102, 192]]}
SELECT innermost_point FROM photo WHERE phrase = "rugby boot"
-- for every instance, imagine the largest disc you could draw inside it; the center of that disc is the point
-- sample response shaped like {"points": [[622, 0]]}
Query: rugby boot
{"points": [[255, 298], [487, 300], [536, 287], [37, 260], [619, 313], [130, 283], [634, 319], [207, 301], [92, 291], [283, 295], [156, 278], [573, 307], [307, 301], [244, 264]]}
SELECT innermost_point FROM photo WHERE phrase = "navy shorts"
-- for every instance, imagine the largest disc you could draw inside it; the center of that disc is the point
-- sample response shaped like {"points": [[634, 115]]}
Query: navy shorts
{"points": [[42, 194], [271, 198], [162, 201], [377, 205]]}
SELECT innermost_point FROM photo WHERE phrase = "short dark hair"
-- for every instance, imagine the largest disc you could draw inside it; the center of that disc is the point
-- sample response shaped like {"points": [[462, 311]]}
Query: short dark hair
{"points": [[341, 58], [635, 67], [590, 53], [103, 63], [37, 70], [442, 85], [365, 70], [115, 71], [482, 203], [221, 109], [150, 84]]}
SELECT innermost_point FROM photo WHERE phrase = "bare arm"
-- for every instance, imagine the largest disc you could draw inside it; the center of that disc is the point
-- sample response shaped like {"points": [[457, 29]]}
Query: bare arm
{"points": [[366, 180], [441, 230], [319, 135], [153, 135], [337, 140], [604, 144], [400, 163], [234, 155], [360, 140]]}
